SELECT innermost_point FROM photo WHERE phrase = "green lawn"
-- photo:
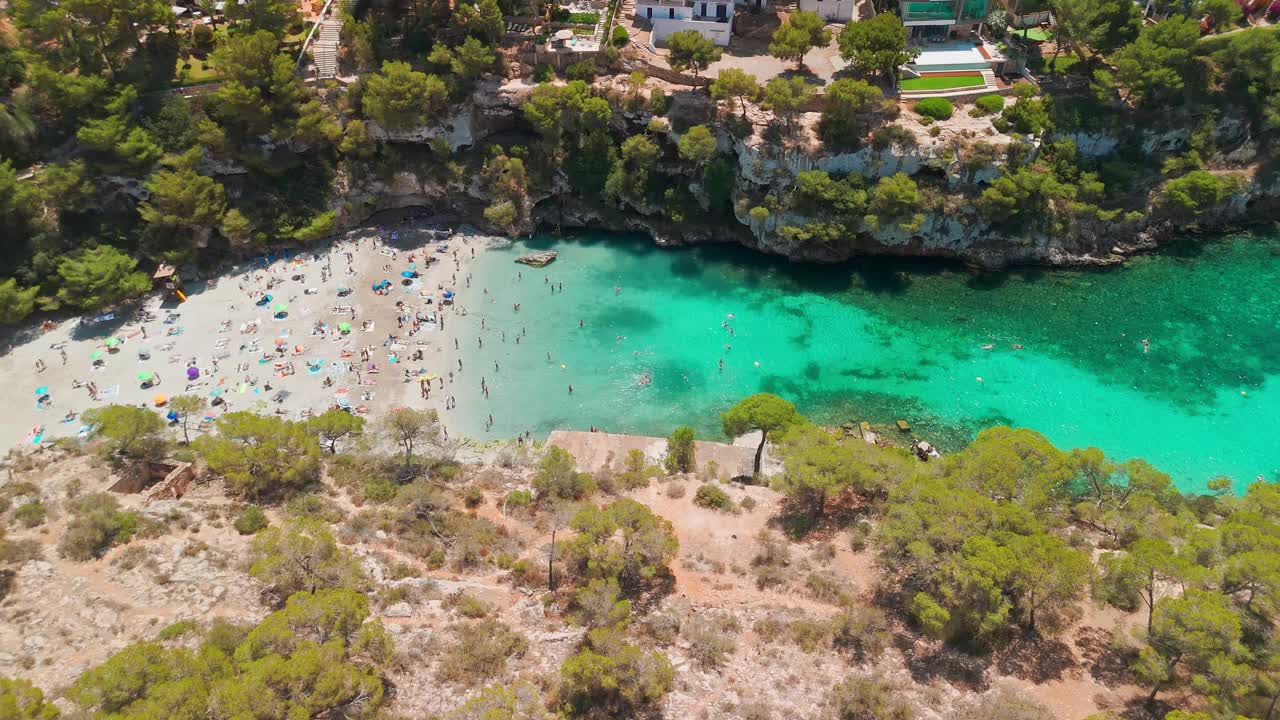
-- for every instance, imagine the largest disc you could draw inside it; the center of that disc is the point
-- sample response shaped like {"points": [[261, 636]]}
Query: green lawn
{"points": [[1037, 34], [1053, 66], [198, 73], [942, 83]]}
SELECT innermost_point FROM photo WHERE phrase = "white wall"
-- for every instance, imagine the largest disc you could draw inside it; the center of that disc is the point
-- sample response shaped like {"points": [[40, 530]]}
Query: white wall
{"points": [[717, 33], [834, 10]]}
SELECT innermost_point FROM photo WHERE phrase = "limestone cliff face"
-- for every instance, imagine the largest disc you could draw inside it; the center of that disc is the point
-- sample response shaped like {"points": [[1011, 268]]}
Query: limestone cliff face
{"points": [[945, 162]]}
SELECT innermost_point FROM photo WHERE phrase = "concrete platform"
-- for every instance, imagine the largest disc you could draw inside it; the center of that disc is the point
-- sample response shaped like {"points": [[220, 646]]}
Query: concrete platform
{"points": [[594, 451]]}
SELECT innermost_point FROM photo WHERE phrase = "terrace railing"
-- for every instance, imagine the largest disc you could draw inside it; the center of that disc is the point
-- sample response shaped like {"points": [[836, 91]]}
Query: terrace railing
{"points": [[928, 10]]}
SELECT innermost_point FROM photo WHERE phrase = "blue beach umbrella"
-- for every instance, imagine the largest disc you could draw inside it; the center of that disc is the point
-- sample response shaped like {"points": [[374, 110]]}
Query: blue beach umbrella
{"points": [[42, 390]]}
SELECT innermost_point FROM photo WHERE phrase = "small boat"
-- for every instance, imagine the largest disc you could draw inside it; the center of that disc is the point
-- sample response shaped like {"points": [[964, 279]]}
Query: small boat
{"points": [[539, 259]]}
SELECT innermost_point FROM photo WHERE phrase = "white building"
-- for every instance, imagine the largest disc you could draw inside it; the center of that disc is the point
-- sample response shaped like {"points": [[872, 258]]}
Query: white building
{"points": [[841, 11], [713, 20]]}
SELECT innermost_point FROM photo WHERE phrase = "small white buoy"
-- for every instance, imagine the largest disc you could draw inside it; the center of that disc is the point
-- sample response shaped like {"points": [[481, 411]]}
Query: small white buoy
{"points": [[979, 379], [758, 365]]}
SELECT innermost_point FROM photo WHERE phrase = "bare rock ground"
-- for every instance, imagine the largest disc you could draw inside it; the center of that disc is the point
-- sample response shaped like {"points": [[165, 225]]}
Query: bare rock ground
{"points": [[61, 617]]}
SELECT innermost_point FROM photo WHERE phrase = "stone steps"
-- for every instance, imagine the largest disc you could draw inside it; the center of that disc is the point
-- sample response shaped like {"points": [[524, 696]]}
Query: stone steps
{"points": [[325, 49]]}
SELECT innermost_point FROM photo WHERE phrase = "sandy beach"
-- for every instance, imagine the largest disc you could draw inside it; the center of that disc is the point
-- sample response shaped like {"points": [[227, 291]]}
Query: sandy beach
{"points": [[290, 355]]}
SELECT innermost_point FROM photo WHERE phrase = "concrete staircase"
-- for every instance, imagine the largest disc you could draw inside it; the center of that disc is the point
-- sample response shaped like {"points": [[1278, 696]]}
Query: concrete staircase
{"points": [[325, 49]]}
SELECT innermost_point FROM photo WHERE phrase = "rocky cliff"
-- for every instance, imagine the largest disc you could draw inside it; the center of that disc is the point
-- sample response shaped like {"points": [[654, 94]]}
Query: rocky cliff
{"points": [[941, 158]]}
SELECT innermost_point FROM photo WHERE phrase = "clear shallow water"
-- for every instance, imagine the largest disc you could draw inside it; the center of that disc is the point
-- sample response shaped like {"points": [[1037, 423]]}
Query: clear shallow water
{"points": [[882, 340]]}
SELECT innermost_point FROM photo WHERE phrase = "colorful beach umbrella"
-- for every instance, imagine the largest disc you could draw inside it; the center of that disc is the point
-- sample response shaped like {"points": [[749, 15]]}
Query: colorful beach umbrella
{"points": [[95, 354], [281, 307], [193, 373], [42, 390], [281, 341], [344, 327], [112, 342], [145, 376], [160, 400], [216, 392]]}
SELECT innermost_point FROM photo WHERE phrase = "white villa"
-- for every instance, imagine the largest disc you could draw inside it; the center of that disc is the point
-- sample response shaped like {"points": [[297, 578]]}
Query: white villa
{"points": [[713, 19]]}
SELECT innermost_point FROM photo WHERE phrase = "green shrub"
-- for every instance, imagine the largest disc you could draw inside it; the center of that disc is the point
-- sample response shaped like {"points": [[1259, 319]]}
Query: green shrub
{"points": [[178, 629], [866, 697], [620, 36], [809, 635], [97, 524], [250, 520], [711, 639], [825, 588], [557, 477], [990, 104], [480, 651], [310, 506], [1197, 191], [584, 70], [543, 73], [769, 629], [467, 605], [380, 490], [658, 101], [472, 497], [862, 632], [612, 678], [681, 455], [710, 496], [883, 138], [435, 559], [936, 108], [31, 514], [519, 499], [587, 18], [402, 570]]}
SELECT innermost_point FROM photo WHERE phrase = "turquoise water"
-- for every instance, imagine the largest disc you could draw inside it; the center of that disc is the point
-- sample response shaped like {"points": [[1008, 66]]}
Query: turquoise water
{"points": [[882, 340]]}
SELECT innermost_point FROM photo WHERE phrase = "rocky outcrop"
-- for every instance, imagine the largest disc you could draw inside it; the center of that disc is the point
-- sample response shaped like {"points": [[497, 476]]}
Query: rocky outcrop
{"points": [[946, 161]]}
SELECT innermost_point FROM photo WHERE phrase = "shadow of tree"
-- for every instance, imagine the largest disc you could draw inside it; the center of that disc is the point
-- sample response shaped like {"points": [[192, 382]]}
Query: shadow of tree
{"points": [[959, 668], [797, 521], [1137, 709], [1036, 659], [1106, 663], [651, 595]]}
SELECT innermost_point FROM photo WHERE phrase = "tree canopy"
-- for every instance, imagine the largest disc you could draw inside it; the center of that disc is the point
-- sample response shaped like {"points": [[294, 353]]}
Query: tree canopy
{"points": [[764, 412], [689, 50], [877, 46], [318, 654], [399, 97], [261, 455]]}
